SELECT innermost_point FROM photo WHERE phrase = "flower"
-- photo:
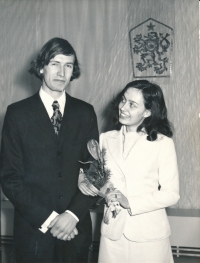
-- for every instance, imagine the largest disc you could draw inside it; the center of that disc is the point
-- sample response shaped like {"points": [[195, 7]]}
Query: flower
{"points": [[98, 175]]}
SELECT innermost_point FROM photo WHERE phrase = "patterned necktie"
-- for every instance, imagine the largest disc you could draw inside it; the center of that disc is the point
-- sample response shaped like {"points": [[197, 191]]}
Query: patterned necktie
{"points": [[57, 117]]}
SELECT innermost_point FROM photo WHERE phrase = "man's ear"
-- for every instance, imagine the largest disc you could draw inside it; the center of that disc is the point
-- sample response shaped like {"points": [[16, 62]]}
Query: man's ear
{"points": [[147, 113]]}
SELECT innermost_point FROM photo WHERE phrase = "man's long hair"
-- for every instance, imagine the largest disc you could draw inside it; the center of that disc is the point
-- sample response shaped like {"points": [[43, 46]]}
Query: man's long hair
{"points": [[53, 47]]}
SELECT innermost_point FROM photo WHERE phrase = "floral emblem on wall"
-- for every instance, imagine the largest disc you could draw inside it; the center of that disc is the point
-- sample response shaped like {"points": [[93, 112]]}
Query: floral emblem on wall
{"points": [[151, 49]]}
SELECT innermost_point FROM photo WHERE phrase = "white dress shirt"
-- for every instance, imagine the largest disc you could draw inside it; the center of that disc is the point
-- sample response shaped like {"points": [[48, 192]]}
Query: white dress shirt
{"points": [[48, 101]]}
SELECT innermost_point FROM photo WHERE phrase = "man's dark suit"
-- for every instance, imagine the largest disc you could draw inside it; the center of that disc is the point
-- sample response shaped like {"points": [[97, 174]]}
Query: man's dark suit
{"points": [[40, 169]]}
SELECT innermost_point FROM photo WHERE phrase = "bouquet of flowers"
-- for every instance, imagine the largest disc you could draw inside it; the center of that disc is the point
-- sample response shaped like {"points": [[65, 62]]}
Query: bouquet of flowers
{"points": [[98, 175]]}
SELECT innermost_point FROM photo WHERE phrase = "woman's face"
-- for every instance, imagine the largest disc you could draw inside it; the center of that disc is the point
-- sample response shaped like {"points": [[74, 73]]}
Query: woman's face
{"points": [[132, 110]]}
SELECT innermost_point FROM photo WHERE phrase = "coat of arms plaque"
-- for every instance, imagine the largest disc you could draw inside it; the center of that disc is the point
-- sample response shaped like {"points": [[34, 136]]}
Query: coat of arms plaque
{"points": [[151, 44]]}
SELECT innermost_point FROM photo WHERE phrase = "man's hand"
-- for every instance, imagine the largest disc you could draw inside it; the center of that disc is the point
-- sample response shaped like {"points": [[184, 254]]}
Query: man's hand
{"points": [[64, 226], [85, 187]]}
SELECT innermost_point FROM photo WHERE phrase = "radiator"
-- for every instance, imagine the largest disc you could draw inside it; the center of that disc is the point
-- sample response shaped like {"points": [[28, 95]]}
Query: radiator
{"points": [[185, 231]]}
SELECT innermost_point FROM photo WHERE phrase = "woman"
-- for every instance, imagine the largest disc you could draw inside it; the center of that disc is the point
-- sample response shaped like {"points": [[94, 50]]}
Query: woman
{"points": [[142, 160]]}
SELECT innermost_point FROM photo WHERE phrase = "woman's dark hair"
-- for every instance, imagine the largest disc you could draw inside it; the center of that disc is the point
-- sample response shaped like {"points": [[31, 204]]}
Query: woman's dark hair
{"points": [[53, 47], [154, 101]]}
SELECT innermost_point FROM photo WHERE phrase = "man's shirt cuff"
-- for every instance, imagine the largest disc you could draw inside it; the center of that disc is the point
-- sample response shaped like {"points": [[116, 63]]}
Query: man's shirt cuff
{"points": [[72, 214], [44, 226]]}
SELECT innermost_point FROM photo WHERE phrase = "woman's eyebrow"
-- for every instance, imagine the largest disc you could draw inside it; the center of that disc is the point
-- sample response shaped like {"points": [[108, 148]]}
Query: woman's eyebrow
{"points": [[133, 102]]}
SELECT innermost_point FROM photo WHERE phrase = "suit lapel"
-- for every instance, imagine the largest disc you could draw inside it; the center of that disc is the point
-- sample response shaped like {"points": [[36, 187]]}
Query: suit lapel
{"points": [[69, 119], [40, 116]]}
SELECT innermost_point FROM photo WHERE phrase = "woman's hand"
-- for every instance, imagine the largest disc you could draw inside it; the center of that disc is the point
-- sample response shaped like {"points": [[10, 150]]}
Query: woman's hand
{"points": [[117, 196], [85, 187]]}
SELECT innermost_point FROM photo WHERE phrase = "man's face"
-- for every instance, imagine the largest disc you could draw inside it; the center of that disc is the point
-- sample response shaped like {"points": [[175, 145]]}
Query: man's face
{"points": [[57, 74]]}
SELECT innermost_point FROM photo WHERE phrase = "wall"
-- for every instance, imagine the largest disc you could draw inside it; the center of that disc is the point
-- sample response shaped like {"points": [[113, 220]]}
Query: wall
{"points": [[98, 30]]}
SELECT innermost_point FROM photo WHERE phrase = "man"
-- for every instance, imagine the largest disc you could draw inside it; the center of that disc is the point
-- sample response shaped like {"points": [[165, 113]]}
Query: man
{"points": [[43, 139]]}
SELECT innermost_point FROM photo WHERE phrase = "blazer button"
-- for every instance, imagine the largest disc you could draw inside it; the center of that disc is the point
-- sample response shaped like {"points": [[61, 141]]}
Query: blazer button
{"points": [[59, 153], [60, 196], [60, 174]]}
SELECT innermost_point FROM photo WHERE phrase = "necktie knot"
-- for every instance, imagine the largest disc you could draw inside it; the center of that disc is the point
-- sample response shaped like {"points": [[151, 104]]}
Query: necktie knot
{"points": [[55, 105], [57, 117]]}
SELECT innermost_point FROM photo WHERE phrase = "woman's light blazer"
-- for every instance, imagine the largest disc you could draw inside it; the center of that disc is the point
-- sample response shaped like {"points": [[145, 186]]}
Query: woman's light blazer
{"points": [[147, 166]]}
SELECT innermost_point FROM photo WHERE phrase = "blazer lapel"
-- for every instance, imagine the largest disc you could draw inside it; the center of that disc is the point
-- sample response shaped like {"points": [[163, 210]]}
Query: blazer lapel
{"points": [[115, 146], [40, 116]]}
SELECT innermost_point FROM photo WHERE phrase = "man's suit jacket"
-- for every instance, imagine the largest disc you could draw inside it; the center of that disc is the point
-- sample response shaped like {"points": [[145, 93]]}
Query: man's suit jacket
{"points": [[39, 170], [146, 166]]}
